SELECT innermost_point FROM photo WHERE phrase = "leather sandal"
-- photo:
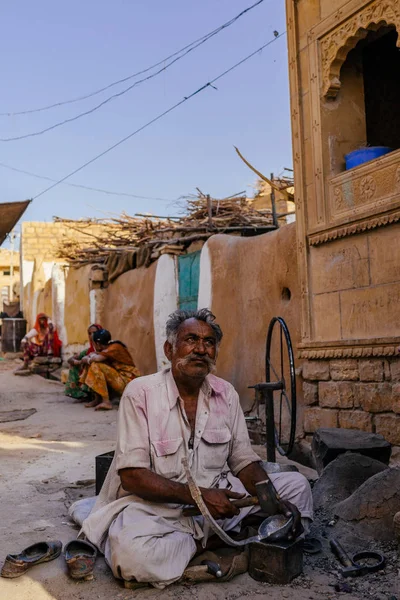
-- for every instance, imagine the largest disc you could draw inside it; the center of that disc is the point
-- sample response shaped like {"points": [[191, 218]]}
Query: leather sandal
{"points": [[80, 557], [16, 565]]}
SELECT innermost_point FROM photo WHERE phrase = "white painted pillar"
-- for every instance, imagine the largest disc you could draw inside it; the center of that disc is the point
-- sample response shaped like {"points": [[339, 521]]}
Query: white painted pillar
{"points": [[47, 267], [58, 277], [165, 302], [205, 282], [97, 303], [34, 307], [25, 278]]}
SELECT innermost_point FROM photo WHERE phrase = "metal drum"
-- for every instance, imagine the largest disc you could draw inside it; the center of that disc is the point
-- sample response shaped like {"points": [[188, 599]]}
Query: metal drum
{"points": [[12, 332]]}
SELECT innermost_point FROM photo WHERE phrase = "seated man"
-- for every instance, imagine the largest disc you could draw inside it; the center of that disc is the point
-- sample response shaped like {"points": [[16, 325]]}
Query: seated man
{"points": [[180, 412]]}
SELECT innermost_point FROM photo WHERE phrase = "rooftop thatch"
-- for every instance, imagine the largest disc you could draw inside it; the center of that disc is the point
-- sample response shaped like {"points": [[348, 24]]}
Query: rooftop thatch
{"points": [[203, 218]]}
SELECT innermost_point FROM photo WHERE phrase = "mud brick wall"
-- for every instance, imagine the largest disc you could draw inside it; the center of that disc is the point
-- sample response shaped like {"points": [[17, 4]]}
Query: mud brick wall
{"points": [[353, 394]]}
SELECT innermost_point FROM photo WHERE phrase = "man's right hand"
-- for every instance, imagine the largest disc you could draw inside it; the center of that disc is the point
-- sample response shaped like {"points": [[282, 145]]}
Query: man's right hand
{"points": [[219, 504]]}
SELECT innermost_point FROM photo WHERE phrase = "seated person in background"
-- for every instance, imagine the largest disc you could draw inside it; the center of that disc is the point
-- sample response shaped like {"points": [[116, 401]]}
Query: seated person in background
{"points": [[42, 340], [184, 411], [74, 388], [111, 365]]}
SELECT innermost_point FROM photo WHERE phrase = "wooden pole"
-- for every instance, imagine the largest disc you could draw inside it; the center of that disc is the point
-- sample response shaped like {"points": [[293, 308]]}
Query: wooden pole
{"points": [[274, 217], [12, 236], [209, 208]]}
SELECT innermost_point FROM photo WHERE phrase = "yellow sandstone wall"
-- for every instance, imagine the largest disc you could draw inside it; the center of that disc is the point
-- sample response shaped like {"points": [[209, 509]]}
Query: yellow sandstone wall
{"points": [[6, 281], [41, 239], [347, 220], [128, 314]]}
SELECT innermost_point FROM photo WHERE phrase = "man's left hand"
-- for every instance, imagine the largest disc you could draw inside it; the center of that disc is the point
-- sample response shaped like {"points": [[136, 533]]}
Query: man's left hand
{"points": [[290, 510]]}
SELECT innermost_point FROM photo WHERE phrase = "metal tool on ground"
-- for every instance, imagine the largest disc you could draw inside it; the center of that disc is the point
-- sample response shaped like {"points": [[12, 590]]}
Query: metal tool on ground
{"points": [[361, 563], [273, 528], [280, 378]]}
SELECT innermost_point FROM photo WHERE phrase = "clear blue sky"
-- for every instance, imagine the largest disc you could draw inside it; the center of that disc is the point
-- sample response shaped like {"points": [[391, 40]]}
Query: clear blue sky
{"points": [[52, 51]]}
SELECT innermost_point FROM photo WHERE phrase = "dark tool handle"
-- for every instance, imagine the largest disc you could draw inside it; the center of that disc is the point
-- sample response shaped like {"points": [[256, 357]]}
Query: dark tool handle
{"points": [[241, 503], [213, 568], [340, 553]]}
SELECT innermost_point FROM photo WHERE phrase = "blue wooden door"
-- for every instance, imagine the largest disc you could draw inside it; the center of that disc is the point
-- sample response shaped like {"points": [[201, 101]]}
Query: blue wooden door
{"points": [[189, 275]]}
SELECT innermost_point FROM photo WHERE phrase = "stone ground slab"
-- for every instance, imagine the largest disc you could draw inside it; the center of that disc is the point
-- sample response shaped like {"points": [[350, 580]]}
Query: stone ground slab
{"points": [[6, 416]]}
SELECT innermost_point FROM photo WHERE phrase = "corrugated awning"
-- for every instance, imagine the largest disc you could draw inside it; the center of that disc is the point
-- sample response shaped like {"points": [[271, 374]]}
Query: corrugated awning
{"points": [[10, 214]]}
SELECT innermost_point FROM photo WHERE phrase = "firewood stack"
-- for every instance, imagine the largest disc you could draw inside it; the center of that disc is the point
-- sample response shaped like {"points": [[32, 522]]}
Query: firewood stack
{"points": [[93, 240]]}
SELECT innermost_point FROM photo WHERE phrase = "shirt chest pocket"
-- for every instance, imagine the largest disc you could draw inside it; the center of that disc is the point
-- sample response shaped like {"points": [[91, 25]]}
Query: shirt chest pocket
{"points": [[215, 447], [166, 457]]}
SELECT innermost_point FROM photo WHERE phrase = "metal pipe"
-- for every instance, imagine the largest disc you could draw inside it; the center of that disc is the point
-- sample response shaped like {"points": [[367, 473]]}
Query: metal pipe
{"points": [[270, 425], [273, 205]]}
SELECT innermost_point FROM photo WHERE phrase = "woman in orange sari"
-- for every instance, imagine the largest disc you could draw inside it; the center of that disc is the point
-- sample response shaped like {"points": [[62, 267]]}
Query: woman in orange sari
{"points": [[110, 366], [42, 340]]}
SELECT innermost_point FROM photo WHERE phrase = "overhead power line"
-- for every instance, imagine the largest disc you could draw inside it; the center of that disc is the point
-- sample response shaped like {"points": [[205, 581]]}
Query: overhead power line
{"points": [[176, 56], [160, 116], [85, 187]]}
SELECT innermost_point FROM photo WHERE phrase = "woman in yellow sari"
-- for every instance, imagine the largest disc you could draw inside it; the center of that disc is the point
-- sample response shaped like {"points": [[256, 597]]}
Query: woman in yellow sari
{"points": [[110, 366]]}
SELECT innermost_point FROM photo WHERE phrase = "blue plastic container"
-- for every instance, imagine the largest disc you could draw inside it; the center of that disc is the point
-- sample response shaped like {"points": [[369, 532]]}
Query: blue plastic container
{"points": [[363, 155]]}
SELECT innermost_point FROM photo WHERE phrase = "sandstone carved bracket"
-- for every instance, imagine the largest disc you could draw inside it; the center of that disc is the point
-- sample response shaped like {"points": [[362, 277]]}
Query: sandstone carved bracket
{"points": [[348, 352], [336, 45], [354, 228]]}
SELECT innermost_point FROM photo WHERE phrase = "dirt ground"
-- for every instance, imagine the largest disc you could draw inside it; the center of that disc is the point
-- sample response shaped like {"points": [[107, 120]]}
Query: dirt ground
{"points": [[47, 462]]}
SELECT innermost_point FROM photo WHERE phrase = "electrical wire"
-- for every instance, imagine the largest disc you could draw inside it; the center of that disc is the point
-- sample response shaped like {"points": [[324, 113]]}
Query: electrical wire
{"points": [[160, 116], [85, 187], [184, 51]]}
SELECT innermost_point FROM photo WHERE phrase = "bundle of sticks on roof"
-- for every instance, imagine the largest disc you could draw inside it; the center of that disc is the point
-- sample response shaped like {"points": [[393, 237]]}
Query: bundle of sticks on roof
{"points": [[93, 240]]}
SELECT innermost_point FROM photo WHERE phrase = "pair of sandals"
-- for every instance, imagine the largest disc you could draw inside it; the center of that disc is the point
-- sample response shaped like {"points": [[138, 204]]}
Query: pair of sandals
{"points": [[80, 557]]}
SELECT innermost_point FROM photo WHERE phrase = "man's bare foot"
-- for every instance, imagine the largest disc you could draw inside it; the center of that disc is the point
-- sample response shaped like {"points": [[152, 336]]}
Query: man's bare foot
{"points": [[106, 405], [23, 367]]}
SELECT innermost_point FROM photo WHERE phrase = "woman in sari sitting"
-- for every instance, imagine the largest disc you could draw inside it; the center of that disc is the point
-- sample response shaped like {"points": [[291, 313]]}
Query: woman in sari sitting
{"points": [[110, 366], [42, 340], [74, 388]]}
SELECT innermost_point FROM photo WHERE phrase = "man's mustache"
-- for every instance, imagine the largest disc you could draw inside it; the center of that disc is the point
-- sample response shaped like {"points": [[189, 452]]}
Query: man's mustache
{"points": [[210, 362]]}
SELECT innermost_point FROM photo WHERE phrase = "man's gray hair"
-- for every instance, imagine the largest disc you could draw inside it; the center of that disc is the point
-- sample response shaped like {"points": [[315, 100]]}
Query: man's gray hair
{"points": [[178, 317]]}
